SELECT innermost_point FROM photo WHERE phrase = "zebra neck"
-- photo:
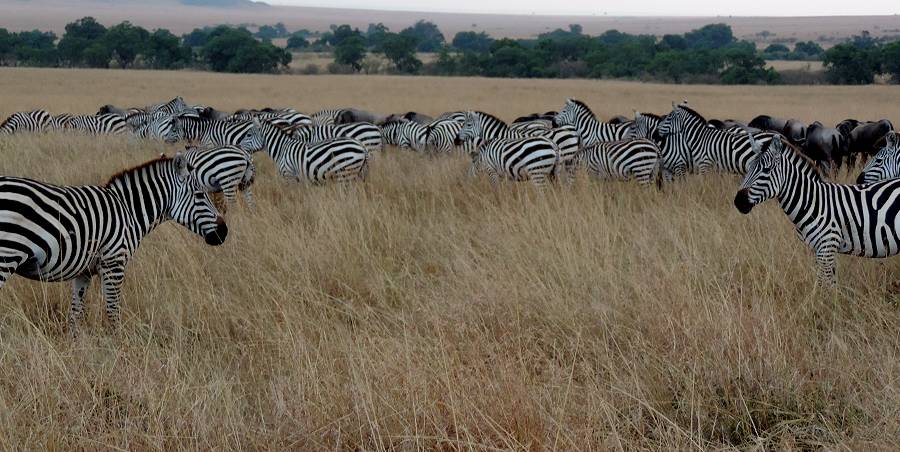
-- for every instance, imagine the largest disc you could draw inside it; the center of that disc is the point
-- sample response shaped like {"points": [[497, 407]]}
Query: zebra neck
{"points": [[144, 194], [798, 193]]}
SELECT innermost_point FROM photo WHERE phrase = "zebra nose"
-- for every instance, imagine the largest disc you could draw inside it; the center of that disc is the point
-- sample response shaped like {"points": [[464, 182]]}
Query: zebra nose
{"points": [[457, 141], [217, 237], [861, 179], [742, 201]]}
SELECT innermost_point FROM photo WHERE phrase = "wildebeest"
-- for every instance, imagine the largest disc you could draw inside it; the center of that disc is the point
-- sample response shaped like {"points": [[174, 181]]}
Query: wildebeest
{"points": [[618, 119], [867, 138], [768, 123], [547, 116], [413, 116], [824, 145], [795, 132]]}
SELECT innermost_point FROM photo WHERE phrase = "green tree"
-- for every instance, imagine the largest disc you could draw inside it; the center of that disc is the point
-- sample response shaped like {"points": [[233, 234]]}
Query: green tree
{"points": [[235, 50], [197, 38], [376, 34], [427, 35], [744, 66], [351, 52], [7, 45], [807, 50], [401, 51], [890, 60], [165, 51], [35, 48], [79, 36], [470, 41], [712, 36], [297, 41], [267, 32], [851, 65], [126, 42], [673, 42], [97, 55]]}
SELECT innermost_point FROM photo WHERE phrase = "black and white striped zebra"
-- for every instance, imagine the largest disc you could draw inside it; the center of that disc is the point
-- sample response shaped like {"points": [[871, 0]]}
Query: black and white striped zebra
{"points": [[690, 144], [405, 134], [331, 116], [830, 218], [364, 132], [108, 124], [58, 122], [576, 113], [286, 119], [26, 121], [140, 119], [636, 159], [175, 106], [518, 159], [481, 126], [210, 133], [886, 163], [163, 128], [56, 233], [225, 169], [338, 159], [440, 136]]}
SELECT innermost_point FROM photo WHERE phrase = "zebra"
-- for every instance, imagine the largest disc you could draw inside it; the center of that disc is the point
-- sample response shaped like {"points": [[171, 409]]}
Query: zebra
{"points": [[108, 124], [58, 122], [483, 126], [519, 159], [576, 113], [830, 218], [175, 106], [60, 233], [646, 125], [885, 164], [364, 132], [405, 134], [286, 119], [208, 133], [26, 121], [227, 169], [627, 159], [330, 116], [161, 128], [689, 144], [140, 119], [339, 159], [440, 135]]}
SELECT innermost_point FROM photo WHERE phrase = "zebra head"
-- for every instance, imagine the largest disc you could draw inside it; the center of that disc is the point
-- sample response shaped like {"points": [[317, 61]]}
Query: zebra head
{"points": [[643, 127], [470, 130], [193, 208], [568, 116], [764, 175], [254, 140], [885, 164]]}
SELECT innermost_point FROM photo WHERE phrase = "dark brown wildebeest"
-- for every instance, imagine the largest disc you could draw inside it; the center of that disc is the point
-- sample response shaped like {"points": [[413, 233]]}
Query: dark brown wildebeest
{"points": [[795, 132], [768, 123], [824, 145]]}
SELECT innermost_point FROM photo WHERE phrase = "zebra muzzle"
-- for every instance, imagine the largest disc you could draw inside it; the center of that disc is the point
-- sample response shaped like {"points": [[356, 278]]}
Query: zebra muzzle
{"points": [[217, 237], [742, 201]]}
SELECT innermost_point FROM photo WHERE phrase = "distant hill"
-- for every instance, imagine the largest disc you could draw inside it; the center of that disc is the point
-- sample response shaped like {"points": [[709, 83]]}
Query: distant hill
{"points": [[222, 3]]}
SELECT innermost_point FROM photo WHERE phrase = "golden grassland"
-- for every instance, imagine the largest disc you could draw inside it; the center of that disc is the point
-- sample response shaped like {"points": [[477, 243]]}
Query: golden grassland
{"points": [[423, 309]]}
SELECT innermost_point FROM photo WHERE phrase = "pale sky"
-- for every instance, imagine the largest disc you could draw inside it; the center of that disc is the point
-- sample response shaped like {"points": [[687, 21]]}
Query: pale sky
{"points": [[623, 8]]}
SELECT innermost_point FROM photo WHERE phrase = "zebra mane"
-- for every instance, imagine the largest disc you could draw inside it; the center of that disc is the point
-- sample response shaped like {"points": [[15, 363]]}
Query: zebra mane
{"points": [[693, 113], [491, 117], [583, 105], [6, 120], [127, 171], [652, 116], [806, 163]]}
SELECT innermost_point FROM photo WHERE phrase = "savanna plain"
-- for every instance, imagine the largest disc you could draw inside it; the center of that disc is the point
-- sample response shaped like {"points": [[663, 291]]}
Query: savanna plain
{"points": [[424, 309]]}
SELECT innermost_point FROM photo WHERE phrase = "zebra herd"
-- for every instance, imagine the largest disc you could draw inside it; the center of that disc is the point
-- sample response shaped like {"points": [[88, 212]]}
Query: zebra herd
{"points": [[57, 233]]}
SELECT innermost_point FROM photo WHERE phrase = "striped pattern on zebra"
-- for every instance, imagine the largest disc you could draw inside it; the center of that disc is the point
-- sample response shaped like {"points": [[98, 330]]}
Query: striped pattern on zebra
{"points": [[58, 122], [519, 159], [886, 163], [57, 233], [646, 126], [364, 132], [689, 144], [483, 126], [441, 134], [405, 134], [175, 106], [225, 169], [108, 124], [339, 159], [161, 128], [830, 218], [26, 121], [636, 159], [286, 119], [576, 113], [330, 117], [211, 133]]}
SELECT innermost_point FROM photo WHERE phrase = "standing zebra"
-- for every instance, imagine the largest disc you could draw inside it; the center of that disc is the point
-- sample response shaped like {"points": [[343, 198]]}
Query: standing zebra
{"points": [[208, 133], [627, 159], [175, 106], [367, 134], [26, 121], [576, 113], [226, 169], [885, 164], [441, 135], [108, 124], [54, 233], [689, 143], [830, 218], [482, 126], [337, 159], [161, 128], [405, 134], [519, 159]]}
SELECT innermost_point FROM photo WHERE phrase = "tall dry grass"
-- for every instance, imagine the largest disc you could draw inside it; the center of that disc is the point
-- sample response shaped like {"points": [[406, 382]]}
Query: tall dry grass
{"points": [[423, 309]]}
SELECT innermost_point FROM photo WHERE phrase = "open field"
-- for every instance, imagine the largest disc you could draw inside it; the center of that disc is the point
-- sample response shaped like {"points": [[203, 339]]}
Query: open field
{"points": [[423, 309], [54, 14]]}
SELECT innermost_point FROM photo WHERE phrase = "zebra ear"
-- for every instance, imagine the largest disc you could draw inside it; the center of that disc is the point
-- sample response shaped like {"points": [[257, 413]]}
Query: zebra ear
{"points": [[892, 139], [637, 115], [181, 163]]}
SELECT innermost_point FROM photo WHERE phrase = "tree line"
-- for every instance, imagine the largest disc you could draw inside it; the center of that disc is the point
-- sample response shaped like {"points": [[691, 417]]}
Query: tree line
{"points": [[710, 54]]}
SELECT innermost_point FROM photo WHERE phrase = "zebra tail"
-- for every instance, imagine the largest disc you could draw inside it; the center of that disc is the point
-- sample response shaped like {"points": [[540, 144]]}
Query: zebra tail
{"points": [[657, 172]]}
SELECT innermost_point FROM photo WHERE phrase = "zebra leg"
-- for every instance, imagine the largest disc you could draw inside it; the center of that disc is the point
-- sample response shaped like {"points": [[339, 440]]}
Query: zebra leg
{"points": [[112, 275], [248, 198], [80, 286], [825, 263]]}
